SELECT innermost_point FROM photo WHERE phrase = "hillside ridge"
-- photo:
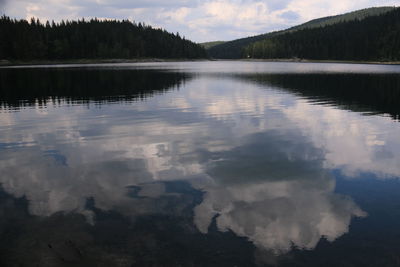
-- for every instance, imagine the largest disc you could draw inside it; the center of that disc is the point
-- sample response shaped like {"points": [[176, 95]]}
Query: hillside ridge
{"points": [[234, 49]]}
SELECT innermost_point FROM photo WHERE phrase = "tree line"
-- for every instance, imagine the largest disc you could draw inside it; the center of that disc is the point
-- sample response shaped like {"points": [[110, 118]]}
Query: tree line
{"points": [[373, 38], [90, 39], [284, 44]]}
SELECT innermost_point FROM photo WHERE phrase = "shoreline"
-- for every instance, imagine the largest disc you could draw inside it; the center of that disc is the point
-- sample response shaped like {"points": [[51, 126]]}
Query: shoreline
{"points": [[7, 63], [321, 61]]}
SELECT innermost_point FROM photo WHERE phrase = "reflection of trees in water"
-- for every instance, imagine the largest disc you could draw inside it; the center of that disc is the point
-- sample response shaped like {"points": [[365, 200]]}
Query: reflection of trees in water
{"points": [[260, 188], [376, 93], [25, 87]]}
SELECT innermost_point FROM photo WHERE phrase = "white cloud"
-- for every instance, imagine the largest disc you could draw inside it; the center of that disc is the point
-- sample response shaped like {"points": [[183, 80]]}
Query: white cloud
{"points": [[197, 20]]}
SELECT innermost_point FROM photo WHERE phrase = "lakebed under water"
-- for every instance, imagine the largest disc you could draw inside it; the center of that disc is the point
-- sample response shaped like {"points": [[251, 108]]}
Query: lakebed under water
{"points": [[224, 163]]}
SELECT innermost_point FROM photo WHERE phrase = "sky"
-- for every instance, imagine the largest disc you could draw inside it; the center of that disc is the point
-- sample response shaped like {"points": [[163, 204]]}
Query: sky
{"points": [[199, 21]]}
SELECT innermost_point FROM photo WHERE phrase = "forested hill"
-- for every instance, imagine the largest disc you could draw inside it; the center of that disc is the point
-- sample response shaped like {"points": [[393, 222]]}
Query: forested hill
{"points": [[208, 45], [94, 39], [375, 38], [235, 48]]}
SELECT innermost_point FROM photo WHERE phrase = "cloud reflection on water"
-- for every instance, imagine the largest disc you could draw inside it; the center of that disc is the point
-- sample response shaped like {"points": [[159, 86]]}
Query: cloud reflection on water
{"points": [[275, 191], [261, 156]]}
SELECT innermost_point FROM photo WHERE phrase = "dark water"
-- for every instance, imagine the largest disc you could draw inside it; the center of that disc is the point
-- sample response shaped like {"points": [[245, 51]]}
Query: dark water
{"points": [[200, 164]]}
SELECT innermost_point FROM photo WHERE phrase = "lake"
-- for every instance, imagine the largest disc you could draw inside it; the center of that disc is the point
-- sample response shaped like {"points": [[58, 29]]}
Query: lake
{"points": [[220, 163]]}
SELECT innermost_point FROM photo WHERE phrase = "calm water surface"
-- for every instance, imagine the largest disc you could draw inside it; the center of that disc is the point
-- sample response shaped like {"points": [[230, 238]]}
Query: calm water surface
{"points": [[200, 164]]}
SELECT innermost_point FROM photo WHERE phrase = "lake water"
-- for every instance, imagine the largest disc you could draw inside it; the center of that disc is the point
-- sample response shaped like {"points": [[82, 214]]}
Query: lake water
{"points": [[200, 164]]}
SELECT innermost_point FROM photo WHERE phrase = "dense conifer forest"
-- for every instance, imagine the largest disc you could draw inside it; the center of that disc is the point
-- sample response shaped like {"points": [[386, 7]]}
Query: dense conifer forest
{"points": [[374, 38], [93, 39], [368, 34]]}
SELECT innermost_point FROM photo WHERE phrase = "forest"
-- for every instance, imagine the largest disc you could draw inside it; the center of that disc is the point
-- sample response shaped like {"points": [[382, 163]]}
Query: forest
{"points": [[90, 39], [367, 34], [373, 38]]}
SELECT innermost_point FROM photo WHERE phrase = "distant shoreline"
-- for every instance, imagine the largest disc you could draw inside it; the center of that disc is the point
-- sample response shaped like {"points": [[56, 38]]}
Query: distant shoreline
{"points": [[322, 61], [7, 63], [10, 63]]}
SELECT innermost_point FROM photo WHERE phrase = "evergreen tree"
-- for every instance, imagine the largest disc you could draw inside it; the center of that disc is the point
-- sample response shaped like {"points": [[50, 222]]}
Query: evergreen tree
{"points": [[373, 38], [367, 34], [94, 39]]}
